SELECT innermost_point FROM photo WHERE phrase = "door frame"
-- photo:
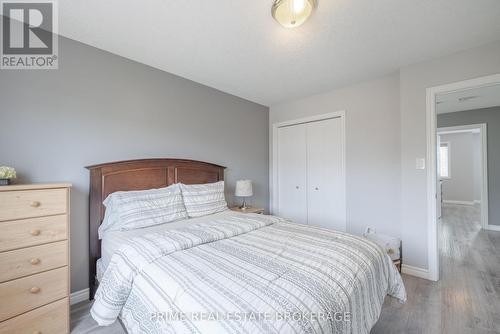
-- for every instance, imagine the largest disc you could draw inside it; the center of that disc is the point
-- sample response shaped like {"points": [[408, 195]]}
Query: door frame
{"points": [[483, 131], [431, 126], [273, 193]]}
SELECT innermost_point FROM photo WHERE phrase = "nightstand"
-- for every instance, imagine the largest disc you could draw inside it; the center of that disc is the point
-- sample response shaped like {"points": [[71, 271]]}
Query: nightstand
{"points": [[248, 210]]}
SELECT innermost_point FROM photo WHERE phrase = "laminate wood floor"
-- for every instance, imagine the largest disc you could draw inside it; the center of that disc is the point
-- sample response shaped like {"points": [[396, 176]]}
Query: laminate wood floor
{"points": [[82, 322], [465, 300]]}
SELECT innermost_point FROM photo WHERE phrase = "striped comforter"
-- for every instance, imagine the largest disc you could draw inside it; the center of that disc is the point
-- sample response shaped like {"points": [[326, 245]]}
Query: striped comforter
{"points": [[247, 273]]}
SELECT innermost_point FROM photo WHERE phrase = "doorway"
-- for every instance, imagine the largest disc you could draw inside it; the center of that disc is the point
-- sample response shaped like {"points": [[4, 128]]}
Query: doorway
{"points": [[462, 160], [463, 94]]}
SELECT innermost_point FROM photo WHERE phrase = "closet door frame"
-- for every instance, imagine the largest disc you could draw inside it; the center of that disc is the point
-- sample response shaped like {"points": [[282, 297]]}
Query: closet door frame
{"points": [[274, 156]]}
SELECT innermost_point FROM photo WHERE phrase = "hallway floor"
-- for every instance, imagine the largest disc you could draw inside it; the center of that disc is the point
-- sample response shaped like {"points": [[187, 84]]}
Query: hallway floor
{"points": [[467, 298]]}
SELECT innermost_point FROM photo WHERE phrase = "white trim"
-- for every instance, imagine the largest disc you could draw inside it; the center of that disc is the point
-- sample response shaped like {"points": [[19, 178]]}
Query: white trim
{"points": [[450, 201], [273, 192], [493, 228], [433, 249], [468, 128], [476, 201], [484, 201], [431, 120], [415, 271], [79, 296], [314, 118]]}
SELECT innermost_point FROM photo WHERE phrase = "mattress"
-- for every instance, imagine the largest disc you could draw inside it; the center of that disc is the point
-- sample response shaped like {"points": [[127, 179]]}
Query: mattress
{"points": [[113, 240]]}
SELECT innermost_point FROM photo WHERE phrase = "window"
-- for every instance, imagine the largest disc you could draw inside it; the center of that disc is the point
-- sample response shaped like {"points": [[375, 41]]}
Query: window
{"points": [[444, 161]]}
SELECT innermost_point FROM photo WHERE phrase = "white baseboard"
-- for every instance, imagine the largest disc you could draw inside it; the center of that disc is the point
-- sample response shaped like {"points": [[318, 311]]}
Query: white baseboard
{"points": [[493, 228], [415, 271], [449, 201], [79, 296]]}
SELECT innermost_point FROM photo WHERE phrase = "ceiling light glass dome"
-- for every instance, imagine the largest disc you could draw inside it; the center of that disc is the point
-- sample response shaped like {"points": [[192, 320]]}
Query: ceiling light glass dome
{"points": [[292, 13]]}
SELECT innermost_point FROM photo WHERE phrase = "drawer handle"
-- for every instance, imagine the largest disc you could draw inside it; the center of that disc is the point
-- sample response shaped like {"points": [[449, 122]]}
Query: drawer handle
{"points": [[35, 261], [37, 332], [35, 204], [35, 232], [35, 289]]}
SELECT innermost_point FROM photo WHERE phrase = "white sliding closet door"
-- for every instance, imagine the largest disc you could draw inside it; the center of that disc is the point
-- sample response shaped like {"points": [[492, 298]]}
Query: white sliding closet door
{"points": [[325, 179], [292, 173]]}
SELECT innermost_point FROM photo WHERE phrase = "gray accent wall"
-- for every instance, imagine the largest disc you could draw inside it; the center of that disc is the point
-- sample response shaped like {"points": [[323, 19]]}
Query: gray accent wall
{"points": [[490, 116], [99, 107]]}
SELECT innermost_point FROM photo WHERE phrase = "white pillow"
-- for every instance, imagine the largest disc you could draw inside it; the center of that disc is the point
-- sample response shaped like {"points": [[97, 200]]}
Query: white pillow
{"points": [[204, 199], [128, 210]]}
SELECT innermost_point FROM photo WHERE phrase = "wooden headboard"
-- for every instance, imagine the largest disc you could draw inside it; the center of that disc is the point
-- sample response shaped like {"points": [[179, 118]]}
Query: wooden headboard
{"points": [[137, 175]]}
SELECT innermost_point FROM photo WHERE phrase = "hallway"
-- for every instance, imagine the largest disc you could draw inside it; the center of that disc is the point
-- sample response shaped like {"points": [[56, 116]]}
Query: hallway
{"points": [[467, 298]]}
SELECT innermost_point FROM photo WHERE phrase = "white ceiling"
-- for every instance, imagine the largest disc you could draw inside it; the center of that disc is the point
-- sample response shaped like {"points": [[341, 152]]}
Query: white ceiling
{"points": [[470, 99], [237, 47]]}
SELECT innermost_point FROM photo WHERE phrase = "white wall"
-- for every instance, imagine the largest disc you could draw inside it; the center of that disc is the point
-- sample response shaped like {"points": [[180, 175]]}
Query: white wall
{"points": [[414, 80], [386, 132], [373, 191], [464, 168]]}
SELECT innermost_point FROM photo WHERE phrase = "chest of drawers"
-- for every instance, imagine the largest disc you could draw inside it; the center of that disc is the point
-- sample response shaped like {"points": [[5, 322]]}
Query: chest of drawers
{"points": [[34, 259]]}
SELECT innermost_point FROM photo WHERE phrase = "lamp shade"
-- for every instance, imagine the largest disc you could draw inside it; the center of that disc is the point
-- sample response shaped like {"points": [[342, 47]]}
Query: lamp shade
{"points": [[244, 188]]}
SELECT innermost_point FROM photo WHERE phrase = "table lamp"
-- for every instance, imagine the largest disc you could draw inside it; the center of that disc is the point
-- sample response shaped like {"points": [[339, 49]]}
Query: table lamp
{"points": [[244, 189]]}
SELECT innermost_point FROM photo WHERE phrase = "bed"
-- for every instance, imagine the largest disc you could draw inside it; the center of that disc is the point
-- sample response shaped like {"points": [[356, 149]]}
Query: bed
{"points": [[229, 272]]}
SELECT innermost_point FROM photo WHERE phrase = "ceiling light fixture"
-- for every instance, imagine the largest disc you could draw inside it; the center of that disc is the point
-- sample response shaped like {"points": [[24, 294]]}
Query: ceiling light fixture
{"points": [[292, 13]]}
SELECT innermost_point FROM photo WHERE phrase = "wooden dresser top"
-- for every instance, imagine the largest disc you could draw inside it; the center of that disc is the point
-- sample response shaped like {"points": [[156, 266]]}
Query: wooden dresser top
{"points": [[34, 186]]}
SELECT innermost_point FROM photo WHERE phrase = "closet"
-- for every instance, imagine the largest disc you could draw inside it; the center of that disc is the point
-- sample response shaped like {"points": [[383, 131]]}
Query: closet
{"points": [[310, 173]]}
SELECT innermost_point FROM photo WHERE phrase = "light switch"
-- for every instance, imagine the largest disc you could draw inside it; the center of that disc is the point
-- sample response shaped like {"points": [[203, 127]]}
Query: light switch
{"points": [[420, 163]]}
